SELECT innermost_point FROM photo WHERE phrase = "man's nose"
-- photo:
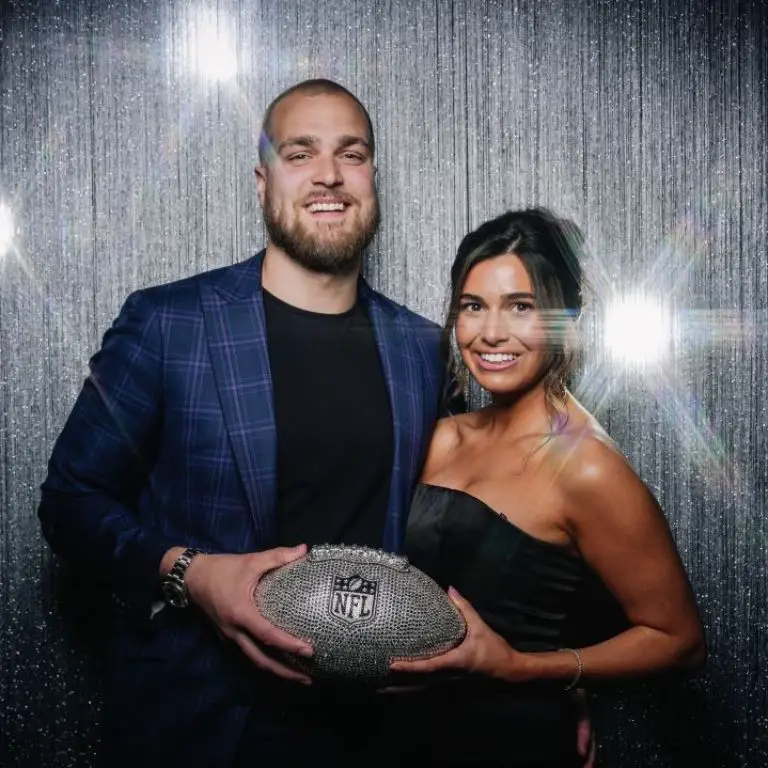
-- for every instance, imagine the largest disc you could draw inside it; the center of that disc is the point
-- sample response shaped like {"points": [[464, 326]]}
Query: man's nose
{"points": [[327, 172]]}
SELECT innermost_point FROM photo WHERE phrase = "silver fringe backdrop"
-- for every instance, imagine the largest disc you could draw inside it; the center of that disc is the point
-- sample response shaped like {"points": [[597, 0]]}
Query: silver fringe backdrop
{"points": [[128, 133]]}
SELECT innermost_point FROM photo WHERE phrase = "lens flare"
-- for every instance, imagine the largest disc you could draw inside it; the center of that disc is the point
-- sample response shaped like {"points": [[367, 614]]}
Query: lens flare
{"points": [[7, 229], [638, 329]]}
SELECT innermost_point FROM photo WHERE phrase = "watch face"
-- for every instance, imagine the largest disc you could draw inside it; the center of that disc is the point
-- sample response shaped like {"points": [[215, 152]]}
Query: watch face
{"points": [[173, 591]]}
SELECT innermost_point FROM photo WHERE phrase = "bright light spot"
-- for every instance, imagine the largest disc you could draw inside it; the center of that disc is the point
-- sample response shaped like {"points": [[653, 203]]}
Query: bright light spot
{"points": [[6, 229], [211, 48], [638, 329]]}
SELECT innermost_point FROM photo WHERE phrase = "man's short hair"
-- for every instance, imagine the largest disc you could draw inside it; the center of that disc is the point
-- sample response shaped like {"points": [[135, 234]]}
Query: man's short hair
{"points": [[310, 87]]}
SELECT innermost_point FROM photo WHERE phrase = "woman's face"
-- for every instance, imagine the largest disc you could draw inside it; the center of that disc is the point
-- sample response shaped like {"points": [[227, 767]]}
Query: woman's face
{"points": [[499, 330]]}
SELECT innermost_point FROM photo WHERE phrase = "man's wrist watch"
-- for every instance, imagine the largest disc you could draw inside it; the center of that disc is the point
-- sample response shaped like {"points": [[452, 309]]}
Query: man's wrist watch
{"points": [[173, 586]]}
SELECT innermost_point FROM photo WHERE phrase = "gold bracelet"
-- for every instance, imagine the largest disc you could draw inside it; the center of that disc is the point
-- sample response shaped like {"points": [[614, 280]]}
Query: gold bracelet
{"points": [[579, 670]]}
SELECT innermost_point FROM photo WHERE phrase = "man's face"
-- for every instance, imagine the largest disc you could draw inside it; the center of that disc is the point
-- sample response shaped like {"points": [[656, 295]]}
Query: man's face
{"points": [[317, 189]]}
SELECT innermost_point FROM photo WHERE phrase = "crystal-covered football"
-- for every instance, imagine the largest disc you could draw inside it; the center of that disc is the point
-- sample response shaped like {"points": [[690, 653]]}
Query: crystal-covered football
{"points": [[361, 609]]}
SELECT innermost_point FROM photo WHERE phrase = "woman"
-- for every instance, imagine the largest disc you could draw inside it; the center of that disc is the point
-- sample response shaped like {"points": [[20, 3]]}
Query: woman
{"points": [[520, 505]]}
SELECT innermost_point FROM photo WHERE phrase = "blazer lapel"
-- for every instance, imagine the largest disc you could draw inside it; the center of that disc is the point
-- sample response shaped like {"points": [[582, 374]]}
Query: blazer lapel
{"points": [[406, 400], [236, 329], [235, 326]]}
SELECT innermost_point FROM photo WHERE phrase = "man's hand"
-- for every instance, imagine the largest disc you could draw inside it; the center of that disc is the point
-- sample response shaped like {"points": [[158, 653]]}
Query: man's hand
{"points": [[585, 735], [223, 587]]}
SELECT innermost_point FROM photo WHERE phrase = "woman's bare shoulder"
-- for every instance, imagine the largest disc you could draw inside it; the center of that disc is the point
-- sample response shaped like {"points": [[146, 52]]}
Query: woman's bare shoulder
{"points": [[447, 433], [447, 437], [595, 478], [588, 459]]}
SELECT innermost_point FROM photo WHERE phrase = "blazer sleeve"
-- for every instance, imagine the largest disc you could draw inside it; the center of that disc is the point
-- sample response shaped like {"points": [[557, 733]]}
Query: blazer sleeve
{"points": [[103, 459]]}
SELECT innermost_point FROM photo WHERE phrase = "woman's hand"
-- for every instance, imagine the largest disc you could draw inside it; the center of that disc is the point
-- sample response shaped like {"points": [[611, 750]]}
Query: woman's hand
{"points": [[482, 652]]}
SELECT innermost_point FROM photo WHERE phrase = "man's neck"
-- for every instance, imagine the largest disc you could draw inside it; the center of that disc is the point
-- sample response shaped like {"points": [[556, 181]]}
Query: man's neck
{"points": [[290, 282]]}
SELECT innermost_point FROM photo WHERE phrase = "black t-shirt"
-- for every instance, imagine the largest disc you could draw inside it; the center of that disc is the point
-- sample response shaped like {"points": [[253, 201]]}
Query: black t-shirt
{"points": [[334, 426]]}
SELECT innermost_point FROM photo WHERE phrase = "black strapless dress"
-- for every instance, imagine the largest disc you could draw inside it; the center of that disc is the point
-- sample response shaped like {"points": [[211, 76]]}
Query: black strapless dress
{"points": [[528, 591]]}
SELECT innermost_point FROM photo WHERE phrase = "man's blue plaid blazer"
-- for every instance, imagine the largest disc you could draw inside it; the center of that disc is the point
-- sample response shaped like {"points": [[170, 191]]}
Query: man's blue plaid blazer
{"points": [[172, 443]]}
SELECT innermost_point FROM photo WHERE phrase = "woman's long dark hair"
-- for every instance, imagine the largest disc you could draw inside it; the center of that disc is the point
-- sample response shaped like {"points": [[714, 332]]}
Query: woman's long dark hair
{"points": [[550, 250]]}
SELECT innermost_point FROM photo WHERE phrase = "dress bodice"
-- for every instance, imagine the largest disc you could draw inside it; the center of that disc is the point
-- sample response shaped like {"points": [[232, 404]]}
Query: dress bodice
{"points": [[525, 588], [537, 595]]}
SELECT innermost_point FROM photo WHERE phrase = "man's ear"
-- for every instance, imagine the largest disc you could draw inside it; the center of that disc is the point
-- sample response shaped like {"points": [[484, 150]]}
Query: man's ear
{"points": [[261, 180]]}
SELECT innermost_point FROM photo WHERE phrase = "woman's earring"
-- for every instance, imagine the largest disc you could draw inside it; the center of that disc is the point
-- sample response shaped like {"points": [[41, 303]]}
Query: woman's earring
{"points": [[474, 394], [455, 347], [462, 373]]}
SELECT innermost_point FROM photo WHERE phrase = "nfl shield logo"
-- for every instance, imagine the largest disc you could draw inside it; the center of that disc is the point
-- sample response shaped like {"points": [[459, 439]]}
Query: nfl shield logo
{"points": [[353, 599]]}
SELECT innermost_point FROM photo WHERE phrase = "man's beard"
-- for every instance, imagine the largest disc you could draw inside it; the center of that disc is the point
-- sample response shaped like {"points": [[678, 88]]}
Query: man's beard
{"points": [[337, 254]]}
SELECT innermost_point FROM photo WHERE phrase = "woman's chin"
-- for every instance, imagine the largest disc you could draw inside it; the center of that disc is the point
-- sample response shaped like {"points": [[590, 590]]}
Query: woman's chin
{"points": [[507, 391]]}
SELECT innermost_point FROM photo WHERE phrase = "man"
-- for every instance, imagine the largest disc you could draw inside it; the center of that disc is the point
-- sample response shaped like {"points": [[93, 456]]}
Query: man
{"points": [[273, 403], [230, 420]]}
